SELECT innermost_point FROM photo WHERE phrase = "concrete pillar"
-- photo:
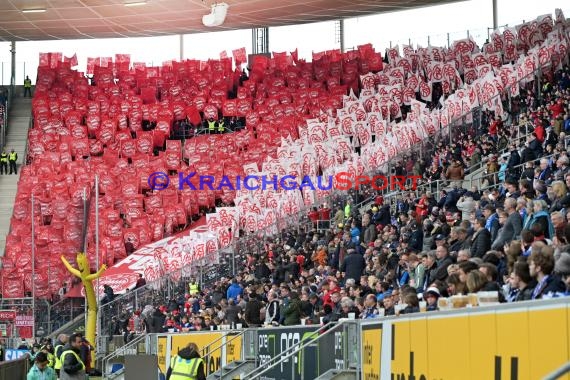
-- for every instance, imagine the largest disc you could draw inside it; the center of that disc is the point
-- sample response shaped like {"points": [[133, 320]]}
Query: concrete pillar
{"points": [[13, 71], [181, 47], [341, 35], [260, 40]]}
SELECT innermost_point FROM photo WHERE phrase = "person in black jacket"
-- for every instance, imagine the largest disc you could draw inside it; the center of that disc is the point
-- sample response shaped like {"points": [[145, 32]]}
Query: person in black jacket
{"points": [[443, 261], [353, 265], [109, 294], [481, 241], [514, 161], [156, 322], [262, 271], [72, 366], [253, 311], [383, 216]]}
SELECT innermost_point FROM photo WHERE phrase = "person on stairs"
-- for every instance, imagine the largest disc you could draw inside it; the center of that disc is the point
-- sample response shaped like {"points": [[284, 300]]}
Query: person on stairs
{"points": [[187, 365], [27, 86], [4, 162], [12, 158]]}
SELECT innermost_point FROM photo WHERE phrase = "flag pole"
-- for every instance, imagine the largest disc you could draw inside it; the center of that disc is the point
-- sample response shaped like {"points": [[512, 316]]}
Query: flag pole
{"points": [[98, 327], [33, 270]]}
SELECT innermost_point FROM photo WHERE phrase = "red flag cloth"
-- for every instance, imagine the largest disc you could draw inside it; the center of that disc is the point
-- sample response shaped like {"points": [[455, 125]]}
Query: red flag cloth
{"points": [[71, 60], [44, 59], [55, 59], [193, 115], [106, 61], [240, 56], [91, 63], [295, 56]]}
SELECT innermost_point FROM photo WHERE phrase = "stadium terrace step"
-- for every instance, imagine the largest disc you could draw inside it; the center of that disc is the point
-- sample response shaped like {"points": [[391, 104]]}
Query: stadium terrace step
{"points": [[339, 374], [233, 370], [16, 138]]}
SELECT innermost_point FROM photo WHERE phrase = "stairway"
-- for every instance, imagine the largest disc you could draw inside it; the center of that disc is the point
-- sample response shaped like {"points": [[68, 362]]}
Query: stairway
{"points": [[233, 370], [339, 374], [18, 123]]}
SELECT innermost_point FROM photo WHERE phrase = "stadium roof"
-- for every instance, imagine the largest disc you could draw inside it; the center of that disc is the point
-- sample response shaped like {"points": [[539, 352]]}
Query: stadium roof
{"points": [[22, 20]]}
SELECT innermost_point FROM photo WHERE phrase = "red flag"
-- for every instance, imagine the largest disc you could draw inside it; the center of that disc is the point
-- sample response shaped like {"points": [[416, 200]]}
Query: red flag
{"points": [[223, 54], [55, 59], [240, 56], [193, 115], [91, 63], [295, 56], [72, 60], [44, 59]]}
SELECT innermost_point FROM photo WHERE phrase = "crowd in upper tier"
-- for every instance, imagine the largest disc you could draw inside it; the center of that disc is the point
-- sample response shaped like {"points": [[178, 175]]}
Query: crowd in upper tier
{"points": [[413, 251]]}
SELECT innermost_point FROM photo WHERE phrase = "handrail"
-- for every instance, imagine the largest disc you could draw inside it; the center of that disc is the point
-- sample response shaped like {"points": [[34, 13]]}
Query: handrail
{"points": [[559, 372], [216, 341], [220, 346], [328, 328], [121, 297], [120, 351]]}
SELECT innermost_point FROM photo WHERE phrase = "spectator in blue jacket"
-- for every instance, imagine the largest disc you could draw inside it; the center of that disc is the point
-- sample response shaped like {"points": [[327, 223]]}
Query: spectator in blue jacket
{"points": [[234, 290]]}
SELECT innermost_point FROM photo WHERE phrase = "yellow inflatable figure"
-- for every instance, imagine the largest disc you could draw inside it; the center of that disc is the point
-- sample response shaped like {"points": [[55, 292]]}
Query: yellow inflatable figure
{"points": [[87, 278]]}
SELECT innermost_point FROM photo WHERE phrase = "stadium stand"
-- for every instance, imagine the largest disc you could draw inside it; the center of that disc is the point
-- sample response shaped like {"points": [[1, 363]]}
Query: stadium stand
{"points": [[416, 245]]}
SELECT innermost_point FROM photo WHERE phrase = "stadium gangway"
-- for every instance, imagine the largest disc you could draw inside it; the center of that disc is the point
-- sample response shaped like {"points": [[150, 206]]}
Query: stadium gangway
{"points": [[350, 361]]}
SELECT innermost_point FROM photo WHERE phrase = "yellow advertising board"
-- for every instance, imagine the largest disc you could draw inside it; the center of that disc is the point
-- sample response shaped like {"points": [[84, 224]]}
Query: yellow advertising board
{"points": [[523, 343], [371, 349], [548, 341], [161, 353], [233, 348], [202, 340]]}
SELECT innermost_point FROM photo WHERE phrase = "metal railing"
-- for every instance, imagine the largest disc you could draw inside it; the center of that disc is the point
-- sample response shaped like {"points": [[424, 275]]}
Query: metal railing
{"points": [[15, 369], [4, 123], [206, 352], [127, 349], [284, 356], [559, 372]]}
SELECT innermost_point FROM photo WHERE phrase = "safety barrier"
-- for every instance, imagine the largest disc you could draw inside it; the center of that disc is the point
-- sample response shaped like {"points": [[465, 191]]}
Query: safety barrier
{"points": [[227, 348], [15, 369], [526, 340]]}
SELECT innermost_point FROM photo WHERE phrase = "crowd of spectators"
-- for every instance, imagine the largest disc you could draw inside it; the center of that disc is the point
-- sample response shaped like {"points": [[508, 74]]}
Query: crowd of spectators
{"points": [[512, 238]]}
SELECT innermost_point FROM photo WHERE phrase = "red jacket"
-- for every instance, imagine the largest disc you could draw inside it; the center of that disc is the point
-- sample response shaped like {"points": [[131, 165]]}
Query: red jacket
{"points": [[493, 128], [314, 216], [556, 109], [539, 131]]}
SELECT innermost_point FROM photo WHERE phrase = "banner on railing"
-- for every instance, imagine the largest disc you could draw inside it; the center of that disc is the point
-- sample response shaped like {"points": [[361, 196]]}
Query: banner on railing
{"points": [[476, 344], [309, 363], [12, 354]]}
